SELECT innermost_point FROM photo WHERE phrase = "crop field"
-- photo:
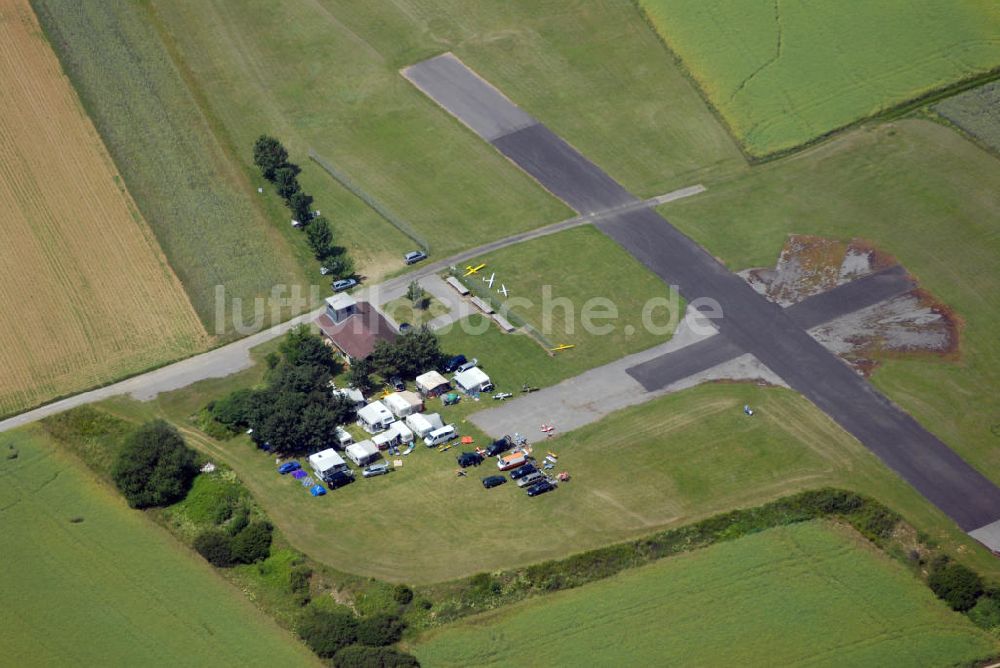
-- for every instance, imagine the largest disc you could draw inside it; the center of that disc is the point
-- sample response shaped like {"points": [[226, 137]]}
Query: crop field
{"points": [[665, 463], [784, 73], [201, 206], [810, 594], [977, 112], [325, 76], [88, 296], [87, 581], [926, 195], [577, 287]]}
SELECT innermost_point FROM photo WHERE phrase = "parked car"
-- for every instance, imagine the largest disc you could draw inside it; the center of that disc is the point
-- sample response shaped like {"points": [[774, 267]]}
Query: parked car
{"points": [[467, 365], [338, 479], [523, 471], [498, 447], [344, 284], [531, 479], [540, 488], [493, 481], [405, 327], [414, 256], [454, 363], [288, 467], [397, 383], [467, 459], [376, 469]]}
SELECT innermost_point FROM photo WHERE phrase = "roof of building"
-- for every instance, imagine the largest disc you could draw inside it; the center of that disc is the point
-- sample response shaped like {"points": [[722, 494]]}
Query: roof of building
{"points": [[340, 301], [473, 377], [356, 335]]}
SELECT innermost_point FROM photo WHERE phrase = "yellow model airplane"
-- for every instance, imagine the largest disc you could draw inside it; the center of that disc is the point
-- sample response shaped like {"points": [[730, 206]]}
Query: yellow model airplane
{"points": [[561, 347], [470, 270]]}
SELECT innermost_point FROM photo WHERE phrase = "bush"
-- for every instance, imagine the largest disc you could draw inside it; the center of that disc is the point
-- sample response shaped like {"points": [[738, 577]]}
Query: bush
{"points": [[236, 410], [402, 594], [956, 585], [986, 613], [154, 466], [239, 521], [327, 632], [215, 547], [379, 630], [298, 583], [253, 544], [357, 656]]}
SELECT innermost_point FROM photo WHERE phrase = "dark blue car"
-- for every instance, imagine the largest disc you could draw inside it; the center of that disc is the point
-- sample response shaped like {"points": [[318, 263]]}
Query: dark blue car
{"points": [[288, 467]]}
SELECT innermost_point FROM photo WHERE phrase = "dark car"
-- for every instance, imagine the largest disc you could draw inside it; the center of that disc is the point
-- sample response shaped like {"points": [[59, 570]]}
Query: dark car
{"points": [[397, 383], [338, 479], [540, 488], [523, 471], [405, 327], [414, 256], [493, 481], [498, 447], [467, 459], [288, 467], [454, 363]]}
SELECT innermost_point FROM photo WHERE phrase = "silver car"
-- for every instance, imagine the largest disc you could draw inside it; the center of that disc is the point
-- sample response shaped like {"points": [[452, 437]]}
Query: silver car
{"points": [[376, 469]]}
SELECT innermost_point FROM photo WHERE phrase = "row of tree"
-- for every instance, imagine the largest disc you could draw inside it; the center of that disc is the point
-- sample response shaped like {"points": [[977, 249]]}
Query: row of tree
{"points": [[295, 412], [271, 157]]}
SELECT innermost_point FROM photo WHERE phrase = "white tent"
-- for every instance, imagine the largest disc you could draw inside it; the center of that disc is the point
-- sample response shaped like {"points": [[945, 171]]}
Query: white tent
{"points": [[424, 423], [402, 432], [432, 384], [351, 393], [375, 417], [473, 380], [404, 403], [362, 453]]}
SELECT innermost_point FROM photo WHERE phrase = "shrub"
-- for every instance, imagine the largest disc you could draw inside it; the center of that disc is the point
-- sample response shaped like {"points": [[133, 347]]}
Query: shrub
{"points": [[154, 466], [253, 543], [298, 583], [402, 594], [357, 656], [379, 630], [327, 632], [236, 410], [956, 585], [986, 612], [215, 547], [239, 521]]}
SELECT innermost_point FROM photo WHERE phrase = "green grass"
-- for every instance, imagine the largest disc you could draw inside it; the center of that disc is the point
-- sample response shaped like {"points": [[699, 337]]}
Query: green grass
{"points": [[812, 593], [665, 463], [918, 191], [977, 112], [402, 310], [110, 589], [324, 75], [201, 206], [783, 73], [563, 286]]}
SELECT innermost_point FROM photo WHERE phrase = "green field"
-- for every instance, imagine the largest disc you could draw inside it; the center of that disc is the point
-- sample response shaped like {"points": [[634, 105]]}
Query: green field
{"points": [[576, 287], [810, 594], [112, 588], [199, 203], [784, 73], [666, 463], [918, 191], [977, 112], [325, 75]]}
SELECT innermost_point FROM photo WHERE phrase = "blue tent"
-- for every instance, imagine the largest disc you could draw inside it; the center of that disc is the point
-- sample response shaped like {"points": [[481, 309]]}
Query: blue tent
{"points": [[317, 490]]}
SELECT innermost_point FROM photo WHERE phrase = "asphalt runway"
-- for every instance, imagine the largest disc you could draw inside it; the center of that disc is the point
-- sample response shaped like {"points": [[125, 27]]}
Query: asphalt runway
{"points": [[750, 321]]}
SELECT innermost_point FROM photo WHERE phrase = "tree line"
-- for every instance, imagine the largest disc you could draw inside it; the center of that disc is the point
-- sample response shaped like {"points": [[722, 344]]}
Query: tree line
{"points": [[271, 157]]}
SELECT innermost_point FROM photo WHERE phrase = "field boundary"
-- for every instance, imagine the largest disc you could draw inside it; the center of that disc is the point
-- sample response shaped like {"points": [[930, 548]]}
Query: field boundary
{"points": [[890, 113], [376, 206]]}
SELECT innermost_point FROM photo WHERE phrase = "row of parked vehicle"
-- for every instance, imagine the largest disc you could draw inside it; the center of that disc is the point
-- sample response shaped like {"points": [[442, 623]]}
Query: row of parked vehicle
{"points": [[522, 470]]}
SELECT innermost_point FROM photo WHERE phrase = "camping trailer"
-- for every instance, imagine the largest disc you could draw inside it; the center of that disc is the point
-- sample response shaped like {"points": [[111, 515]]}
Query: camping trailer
{"points": [[424, 423], [362, 453], [343, 437], [432, 384], [473, 381], [375, 417], [327, 462], [403, 403]]}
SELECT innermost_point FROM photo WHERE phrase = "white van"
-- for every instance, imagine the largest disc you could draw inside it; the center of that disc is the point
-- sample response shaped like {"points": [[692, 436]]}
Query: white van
{"points": [[439, 436]]}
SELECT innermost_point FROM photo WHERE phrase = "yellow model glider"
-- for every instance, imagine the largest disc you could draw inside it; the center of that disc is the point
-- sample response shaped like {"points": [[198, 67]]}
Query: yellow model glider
{"points": [[470, 270]]}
